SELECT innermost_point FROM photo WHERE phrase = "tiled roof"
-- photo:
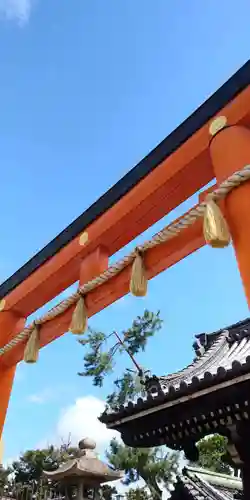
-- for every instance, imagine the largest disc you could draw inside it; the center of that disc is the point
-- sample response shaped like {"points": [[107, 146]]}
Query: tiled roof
{"points": [[220, 356], [219, 352], [199, 484]]}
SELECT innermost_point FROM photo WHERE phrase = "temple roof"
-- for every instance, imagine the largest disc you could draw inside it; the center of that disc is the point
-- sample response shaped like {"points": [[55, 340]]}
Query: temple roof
{"points": [[220, 357], [199, 484], [87, 465]]}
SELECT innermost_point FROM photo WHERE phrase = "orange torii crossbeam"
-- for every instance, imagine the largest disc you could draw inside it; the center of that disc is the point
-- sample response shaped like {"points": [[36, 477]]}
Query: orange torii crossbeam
{"points": [[180, 166]]}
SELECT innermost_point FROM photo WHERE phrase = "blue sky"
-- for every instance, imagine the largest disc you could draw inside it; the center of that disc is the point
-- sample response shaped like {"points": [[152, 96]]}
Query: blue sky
{"points": [[88, 88]]}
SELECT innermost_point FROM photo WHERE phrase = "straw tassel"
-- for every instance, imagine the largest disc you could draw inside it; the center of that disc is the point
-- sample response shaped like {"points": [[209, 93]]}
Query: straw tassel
{"points": [[138, 281], [79, 317], [31, 351], [215, 228]]}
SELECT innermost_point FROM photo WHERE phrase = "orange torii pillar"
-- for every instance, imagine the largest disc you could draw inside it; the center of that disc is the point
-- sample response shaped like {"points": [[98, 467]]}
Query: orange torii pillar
{"points": [[230, 152], [9, 323]]}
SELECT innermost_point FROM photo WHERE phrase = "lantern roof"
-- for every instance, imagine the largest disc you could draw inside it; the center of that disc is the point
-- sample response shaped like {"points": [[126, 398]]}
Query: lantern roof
{"points": [[87, 466]]}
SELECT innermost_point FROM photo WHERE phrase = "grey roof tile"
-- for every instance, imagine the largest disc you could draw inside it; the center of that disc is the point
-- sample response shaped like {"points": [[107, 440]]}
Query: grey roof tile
{"points": [[220, 355], [206, 485]]}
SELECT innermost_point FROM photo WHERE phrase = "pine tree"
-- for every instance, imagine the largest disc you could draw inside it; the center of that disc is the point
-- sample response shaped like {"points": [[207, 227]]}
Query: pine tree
{"points": [[99, 360], [153, 465], [211, 452]]}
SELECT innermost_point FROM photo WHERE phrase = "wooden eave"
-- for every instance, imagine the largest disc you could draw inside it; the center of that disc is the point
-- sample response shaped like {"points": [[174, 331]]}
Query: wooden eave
{"points": [[194, 400], [189, 420]]}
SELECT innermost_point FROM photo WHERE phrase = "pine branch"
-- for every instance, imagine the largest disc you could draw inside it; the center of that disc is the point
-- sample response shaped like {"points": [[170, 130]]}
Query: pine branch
{"points": [[99, 361], [143, 327]]}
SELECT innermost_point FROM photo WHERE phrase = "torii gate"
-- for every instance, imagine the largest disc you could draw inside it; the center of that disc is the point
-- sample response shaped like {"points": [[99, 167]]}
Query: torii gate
{"points": [[213, 143]]}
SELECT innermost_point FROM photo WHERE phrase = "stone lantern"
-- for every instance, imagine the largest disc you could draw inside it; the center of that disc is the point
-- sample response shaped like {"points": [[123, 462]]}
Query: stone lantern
{"points": [[82, 477]]}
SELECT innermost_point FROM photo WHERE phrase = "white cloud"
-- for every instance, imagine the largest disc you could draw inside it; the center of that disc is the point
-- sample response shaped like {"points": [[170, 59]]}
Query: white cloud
{"points": [[49, 394], [41, 397], [18, 10], [81, 420], [36, 398]]}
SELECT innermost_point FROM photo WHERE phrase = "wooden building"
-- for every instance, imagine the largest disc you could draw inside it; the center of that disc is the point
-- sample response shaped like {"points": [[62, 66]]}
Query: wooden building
{"points": [[211, 395], [199, 484]]}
